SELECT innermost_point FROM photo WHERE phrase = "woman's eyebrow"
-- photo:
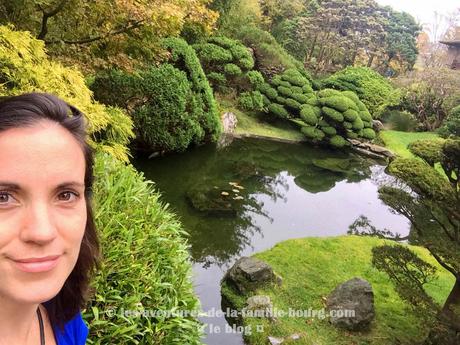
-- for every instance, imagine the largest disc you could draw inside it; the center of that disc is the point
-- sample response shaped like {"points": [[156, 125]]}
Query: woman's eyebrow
{"points": [[15, 186]]}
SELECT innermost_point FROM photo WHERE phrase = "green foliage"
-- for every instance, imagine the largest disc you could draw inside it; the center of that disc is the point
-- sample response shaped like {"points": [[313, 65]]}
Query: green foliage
{"points": [[452, 124], [429, 150], [255, 78], [324, 93], [368, 133], [216, 79], [329, 131], [351, 115], [285, 91], [203, 104], [280, 100], [399, 120], [339, 103], [251, 100], [302, 99], [307, 113], [294, 77], [278, 110], [293, 104], [430, 95], [374, 90], [209, 53], [312, 133], [25, 67], [145, 266], [332, 114], [338, 141], [409, 272], [358, 124], [232, 70]]}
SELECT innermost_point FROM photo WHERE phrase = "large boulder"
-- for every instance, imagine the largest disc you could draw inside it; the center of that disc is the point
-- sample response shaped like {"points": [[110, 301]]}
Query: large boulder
{"points": [[355, 296], [248, 274]]}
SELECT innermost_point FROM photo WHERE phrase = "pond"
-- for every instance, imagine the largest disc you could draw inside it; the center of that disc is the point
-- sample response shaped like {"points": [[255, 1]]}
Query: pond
{"points": [[247, 196]]}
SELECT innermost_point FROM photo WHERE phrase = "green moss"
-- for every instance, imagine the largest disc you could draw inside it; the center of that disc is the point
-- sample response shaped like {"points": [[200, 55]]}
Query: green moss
{"points": [[332, 114]]}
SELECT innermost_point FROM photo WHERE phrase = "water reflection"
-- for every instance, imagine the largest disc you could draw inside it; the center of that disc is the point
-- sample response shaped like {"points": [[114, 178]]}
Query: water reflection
{"points": [[252, 194]]}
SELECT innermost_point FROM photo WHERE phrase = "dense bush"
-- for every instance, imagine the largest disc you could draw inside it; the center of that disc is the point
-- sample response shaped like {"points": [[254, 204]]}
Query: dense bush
{"points": [[145, 264], [25, 67], [452, 125], [172, 105], [251, 100], [429, 95], [330, 116], [399, 120], [373, 90]]}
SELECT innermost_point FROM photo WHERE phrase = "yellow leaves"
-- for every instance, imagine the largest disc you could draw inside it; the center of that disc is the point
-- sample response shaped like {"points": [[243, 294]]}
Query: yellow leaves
{"points": [[27, 69]]}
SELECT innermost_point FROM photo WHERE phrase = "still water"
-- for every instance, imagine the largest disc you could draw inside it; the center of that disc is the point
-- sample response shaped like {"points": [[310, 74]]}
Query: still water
{"points": [[245, 197]]}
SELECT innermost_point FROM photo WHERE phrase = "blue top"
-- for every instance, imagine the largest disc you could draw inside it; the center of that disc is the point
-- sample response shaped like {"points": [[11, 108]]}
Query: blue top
{"points": [[75, 332]]}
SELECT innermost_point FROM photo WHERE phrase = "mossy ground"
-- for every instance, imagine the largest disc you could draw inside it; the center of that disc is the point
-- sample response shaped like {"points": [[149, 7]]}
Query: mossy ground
{"points": [[398, 141], [311, 268], [254, 123]]}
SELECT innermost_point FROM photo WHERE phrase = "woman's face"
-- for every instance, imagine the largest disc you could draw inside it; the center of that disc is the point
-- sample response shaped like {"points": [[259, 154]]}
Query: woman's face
{"points": [[42, 210]]}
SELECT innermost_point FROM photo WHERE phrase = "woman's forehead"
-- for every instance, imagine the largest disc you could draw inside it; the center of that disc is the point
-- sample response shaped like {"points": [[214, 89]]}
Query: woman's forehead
{"points": [[41, 153]]}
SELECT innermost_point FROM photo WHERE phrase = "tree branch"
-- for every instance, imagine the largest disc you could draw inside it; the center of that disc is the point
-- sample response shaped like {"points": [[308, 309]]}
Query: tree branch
{"points": [[48, 15], [129, 26]]}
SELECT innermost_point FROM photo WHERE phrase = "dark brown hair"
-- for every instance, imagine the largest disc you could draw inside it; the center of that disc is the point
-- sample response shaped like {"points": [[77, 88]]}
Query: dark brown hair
{"points": [[25, 111]]}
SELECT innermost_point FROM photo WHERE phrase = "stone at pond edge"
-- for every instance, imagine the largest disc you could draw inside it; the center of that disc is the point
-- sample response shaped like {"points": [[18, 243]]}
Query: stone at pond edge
{"points": [[377, 125], [248, 274], [259, 306], [353, 295]]}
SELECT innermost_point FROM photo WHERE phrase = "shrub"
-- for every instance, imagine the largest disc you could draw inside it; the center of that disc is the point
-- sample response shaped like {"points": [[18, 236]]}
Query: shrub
{"points": [[328, 130], [313, 100], [332, 114], [337, 141], [203, 105], [365, 116], [246, 63], [291, 103], [297, 90], [284, 91], [209, 53], [400, 120], [295, 78], [307, 89], [278, 110], [374, 90], [145, 266], [452, 125], [350, 115], [328, 93], [358, 123], [216, 78], [25, 67], [347, 125], [280, 100], [255, 78], [368, 133], [232, 70], [339, 103], [303, 99], [313, 133], [308, 115], [251, 100]]}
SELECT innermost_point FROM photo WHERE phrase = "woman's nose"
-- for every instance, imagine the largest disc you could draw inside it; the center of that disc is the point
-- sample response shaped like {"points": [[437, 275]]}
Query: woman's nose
{"points": [[38, 225]]}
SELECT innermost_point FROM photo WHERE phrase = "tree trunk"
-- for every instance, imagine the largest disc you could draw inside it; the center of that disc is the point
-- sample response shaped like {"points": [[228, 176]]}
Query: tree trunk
{"points": [[447, 330]]}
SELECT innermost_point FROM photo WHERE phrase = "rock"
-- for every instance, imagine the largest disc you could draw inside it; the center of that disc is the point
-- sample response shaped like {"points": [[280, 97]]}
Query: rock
{"points": [[354, 295], [275, 341], [248, 273], [212, 201], [229, 122], [260, 306], [377, 125]]}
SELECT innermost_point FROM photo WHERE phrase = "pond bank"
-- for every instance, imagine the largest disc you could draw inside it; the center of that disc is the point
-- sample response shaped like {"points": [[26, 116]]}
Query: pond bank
{"points": [[311, 268]]}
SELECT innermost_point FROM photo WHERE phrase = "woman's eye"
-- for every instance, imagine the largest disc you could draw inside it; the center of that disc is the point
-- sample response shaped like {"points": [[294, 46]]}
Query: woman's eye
{"points": [[4, 197], [67, 196]]}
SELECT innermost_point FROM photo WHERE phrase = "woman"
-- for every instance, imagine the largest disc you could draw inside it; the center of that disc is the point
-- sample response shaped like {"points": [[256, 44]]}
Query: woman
{"points": [[48, 242]]}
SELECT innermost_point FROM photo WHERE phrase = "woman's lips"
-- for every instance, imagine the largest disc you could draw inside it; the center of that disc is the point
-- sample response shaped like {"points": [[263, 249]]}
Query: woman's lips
{"points": [[34, 265]]}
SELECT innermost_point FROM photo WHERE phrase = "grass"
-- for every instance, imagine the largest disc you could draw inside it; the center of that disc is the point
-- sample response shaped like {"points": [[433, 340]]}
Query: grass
{"points": [[253, 123], [398, 141], [311, 268]]}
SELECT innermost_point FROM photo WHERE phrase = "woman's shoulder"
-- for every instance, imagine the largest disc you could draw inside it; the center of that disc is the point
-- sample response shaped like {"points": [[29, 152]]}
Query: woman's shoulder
{"points": [[75, 332]]}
